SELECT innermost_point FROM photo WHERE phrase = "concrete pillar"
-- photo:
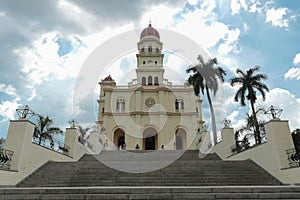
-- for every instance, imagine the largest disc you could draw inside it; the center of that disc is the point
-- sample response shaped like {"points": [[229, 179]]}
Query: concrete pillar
{"points": [[20, 133], [279, 136], [71, 139], [224, 148]]}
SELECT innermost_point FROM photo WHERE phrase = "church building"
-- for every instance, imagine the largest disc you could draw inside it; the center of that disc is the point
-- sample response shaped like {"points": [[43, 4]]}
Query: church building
{"points": [[149, 113]]}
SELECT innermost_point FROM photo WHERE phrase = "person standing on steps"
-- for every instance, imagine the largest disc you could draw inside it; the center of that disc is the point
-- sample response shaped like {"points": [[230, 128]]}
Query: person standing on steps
{"points": [[105, 145]]}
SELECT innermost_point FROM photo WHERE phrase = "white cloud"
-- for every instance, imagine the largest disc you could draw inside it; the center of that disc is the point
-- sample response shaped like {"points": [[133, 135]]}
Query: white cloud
{"points": [[230, 42], [293, 73], [160, 16], [233, 115], [41, 61], [8, 89], [8, 109], [236, 6], [2, 14], [32, 96], [255, 7], [296, 60], [206, 31], [244, 4], [175, 69], [208, 6], [276, 17], [78, 15], [192, 2], [288, 102]]}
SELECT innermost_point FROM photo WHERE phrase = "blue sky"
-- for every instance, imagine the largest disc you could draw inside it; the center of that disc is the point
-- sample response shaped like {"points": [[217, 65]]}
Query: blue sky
{"points": [[45, 44]]}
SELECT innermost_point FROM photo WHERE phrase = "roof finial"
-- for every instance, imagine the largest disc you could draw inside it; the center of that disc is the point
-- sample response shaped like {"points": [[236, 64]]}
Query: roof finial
{"points": [[150, 23]]}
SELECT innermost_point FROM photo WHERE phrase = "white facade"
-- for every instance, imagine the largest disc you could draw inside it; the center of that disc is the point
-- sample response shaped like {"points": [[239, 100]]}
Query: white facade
{"points": [[149, 113]]}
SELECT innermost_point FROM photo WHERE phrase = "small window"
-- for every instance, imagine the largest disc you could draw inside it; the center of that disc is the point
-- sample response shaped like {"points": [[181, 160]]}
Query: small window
{"points": [[179, 105], [149, 80], [142, 49], [143, 80], [120, 107], [156, 62], [103, 110], [197, 110], [144, 62], [155, 80], [150, 49], [176, 105]]}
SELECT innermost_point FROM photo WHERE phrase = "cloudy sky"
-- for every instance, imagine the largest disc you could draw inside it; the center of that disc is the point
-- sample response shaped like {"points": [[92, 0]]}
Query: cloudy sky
{"points": [[45, 43]]}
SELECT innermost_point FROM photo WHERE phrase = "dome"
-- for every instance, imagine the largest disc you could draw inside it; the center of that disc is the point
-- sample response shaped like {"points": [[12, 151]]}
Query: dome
{"points": [[149, 31], [108, 78]]}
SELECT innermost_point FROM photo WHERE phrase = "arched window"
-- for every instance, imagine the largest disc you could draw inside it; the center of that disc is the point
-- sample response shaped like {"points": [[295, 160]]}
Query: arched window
{"points": [[120, 107], [149, 80], [155, 62], [144, 62], [155, 80], [179, 105], [143, 80]]}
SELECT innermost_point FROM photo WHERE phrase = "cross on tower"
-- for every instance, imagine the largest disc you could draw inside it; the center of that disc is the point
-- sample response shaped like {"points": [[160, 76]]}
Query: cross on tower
{"points": [[274, 112], [24, 112]]}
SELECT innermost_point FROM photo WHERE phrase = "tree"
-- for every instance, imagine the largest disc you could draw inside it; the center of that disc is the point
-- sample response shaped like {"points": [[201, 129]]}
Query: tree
{"points": [[206, 77], [83, 133], [296, 140], [44, 130], [250, 82], [2, 141], [250, 121]]}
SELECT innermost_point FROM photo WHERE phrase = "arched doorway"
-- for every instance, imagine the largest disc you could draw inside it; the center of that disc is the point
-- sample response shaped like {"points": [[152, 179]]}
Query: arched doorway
{"points": [[150, 139], [180, 139], [119, 137]]}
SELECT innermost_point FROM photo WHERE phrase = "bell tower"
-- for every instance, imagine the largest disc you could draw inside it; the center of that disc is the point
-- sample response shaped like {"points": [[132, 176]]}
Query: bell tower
{"points": [[149, 58]]}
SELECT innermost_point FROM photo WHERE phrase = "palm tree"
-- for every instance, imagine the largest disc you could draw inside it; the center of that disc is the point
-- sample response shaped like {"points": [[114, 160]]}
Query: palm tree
{"points": [[43, 129], [250, 82], [206, 77]]}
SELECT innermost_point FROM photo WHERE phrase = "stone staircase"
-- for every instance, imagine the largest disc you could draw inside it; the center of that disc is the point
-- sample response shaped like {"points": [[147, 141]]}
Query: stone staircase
{"points": [[150, 175]]}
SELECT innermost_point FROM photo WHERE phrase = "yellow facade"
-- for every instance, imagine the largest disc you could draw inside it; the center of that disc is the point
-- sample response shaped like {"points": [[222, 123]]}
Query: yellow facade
{"points": [[149, 113]]}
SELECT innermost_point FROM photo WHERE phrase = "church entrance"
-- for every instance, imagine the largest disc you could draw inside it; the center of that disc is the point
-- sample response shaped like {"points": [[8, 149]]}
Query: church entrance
{"points": [[150, 139], [150, 143], [180, 139], [119, 138]]}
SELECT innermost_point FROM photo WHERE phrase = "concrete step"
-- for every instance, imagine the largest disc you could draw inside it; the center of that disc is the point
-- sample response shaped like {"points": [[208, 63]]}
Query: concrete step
{"points": [[173, 193]]}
